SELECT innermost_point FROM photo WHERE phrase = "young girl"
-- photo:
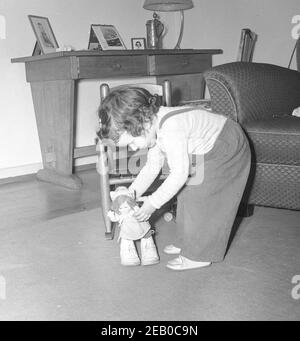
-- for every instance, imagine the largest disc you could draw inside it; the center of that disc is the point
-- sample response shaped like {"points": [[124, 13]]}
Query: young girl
{"points": [[122, 211], [206, 209]]}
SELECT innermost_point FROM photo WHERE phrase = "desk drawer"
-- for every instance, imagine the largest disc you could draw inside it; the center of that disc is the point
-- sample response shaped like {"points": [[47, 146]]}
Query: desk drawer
{"points": [[179, 64], [111, 66]]}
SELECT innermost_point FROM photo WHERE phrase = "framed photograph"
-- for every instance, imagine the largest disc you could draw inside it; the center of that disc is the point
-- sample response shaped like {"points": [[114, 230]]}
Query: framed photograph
{"points": [[138, 43], [105, 37], [44, 35], [36, 50], [93, 40]]}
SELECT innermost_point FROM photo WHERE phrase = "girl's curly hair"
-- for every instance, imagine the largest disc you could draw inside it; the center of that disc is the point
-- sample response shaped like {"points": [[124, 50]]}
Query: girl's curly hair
{"points": [[126, 109]]}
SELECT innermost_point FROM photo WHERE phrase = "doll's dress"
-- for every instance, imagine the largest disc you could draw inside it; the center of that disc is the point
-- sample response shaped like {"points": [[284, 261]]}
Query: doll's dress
{"points": [[131, 228]]}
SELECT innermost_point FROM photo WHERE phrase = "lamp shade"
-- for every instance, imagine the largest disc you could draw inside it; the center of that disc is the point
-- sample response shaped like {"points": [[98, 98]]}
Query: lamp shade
{"points": [[168, 5]]}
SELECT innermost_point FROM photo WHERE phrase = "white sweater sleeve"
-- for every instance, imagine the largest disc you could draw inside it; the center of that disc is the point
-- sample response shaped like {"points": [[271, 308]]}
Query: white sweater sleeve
{"points": [[155, 161], [175, 145]]}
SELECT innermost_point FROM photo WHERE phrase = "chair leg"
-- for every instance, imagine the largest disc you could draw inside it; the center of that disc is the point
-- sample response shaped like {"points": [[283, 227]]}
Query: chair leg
{"points": [[104, 191], [105, 202]]}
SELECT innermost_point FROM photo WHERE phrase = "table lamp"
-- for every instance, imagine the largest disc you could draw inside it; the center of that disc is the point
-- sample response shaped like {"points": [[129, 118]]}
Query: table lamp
{"points": [[170, 6]]}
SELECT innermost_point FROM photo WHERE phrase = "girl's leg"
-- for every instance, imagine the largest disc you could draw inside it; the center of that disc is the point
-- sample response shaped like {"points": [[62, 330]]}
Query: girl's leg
{"points": [[174, 247], [211, 207]]}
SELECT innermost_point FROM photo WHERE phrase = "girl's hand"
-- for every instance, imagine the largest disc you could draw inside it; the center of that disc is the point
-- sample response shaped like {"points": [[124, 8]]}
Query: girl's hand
{"points": [[145, 212]]}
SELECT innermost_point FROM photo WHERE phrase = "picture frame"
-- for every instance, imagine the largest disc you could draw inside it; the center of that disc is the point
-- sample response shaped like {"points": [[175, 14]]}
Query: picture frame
{"points": [[105, 37], [93, 40], [46, 41], [138, 43], [36, 50]]}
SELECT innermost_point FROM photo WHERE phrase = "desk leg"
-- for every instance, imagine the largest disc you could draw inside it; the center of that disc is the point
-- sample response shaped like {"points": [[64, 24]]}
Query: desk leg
{"points": [[54, 110]]}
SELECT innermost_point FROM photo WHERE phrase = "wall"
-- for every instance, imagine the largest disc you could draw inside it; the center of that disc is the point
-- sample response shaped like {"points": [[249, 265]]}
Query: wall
{"points": [[211, 24], [218, 24], [70, 20]]}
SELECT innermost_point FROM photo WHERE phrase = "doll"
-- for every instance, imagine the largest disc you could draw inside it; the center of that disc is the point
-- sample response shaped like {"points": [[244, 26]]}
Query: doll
{"points": [[122, 211]]}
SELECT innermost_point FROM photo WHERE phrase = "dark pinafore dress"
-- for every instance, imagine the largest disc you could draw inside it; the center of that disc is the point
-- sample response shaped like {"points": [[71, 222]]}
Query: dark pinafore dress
{"points": [[206, 211]]}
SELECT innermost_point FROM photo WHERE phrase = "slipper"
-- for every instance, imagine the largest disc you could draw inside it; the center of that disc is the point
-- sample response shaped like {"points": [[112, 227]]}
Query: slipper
{"points": [[182, 263], [172, 250]]}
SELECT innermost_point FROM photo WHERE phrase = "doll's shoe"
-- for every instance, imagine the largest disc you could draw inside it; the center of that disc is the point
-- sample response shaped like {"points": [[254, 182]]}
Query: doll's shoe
{"points": [[172, 250], [128, 253], [182, 263], [149, 251]]}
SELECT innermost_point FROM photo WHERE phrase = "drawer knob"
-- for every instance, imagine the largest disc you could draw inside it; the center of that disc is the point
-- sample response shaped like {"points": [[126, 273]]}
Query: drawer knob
{"points": [[117, 66], [185, 62]]}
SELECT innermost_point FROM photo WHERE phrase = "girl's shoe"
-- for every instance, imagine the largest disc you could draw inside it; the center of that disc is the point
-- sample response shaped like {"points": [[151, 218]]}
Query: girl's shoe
{"points": [[128, 253], [172, 250], [149, 251], [182, 263]]}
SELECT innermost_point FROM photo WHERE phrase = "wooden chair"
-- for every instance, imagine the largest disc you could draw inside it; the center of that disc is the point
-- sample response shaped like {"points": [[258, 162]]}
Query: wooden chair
{"points": [[246, 46], [112, 163], [297, 50], [298, 53]]}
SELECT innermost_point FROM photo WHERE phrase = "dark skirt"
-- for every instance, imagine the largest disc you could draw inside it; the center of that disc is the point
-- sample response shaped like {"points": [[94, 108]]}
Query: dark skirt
{"points": [[206, 212]]}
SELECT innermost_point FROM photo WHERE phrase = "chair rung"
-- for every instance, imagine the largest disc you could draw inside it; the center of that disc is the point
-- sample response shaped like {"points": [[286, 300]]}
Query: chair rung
{"points": [[84, 151], [126, 180], [120, 181]]}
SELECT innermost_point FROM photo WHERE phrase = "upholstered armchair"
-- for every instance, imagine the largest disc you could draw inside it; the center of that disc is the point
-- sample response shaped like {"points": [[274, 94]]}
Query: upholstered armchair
{"points": [[262, 97]]}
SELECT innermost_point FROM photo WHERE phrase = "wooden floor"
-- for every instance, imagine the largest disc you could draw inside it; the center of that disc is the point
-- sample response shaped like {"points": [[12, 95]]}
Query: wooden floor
{"points": [[34, 201], [65, 269]]}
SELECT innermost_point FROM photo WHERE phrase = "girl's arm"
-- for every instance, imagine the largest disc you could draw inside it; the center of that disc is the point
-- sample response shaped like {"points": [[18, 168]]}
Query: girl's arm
{"points": [[155, 161], [174, 140]]}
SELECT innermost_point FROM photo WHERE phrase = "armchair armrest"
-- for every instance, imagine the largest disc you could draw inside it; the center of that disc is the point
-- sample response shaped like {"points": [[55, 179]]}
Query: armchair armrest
{"points": [[253, 91]]}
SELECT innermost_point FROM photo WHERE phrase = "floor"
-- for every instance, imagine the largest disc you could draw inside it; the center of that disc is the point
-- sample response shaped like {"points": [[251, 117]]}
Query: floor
{"points": [[55, 264]]}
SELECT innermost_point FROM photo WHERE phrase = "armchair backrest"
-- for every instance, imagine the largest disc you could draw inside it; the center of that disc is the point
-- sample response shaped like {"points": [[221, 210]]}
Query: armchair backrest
{"points": [[253, 91]]}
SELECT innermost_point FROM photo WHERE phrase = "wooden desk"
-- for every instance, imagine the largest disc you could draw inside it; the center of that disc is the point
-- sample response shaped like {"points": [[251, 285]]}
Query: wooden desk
{"points": [[53, 80]]}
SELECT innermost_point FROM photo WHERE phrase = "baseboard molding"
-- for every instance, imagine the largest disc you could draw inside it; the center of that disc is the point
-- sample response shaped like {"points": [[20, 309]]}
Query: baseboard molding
{"points": [[15, 172], [28, 172], [15, 179]]}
